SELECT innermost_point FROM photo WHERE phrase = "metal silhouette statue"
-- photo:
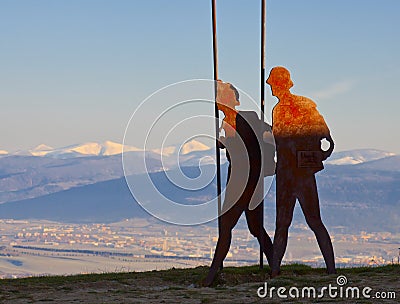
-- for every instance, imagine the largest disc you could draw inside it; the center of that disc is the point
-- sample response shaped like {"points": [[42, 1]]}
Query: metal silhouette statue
{"points": [[249, 148], [298, 130]]}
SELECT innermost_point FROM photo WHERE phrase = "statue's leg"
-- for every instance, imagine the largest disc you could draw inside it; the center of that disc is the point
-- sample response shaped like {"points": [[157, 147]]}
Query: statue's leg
{"points": [[309, 202], [228, 221], [253, 218], [285, 202]]}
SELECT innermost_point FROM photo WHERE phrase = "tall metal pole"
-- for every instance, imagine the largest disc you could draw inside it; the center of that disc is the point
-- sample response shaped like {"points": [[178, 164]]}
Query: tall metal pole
{"points": [[262, 106], [398, 258], [215, 59]]}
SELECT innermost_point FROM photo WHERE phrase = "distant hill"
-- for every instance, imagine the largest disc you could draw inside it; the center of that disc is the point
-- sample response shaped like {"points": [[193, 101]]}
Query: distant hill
{"points": [[27, 176], [363, 196], [391, 163], [354, 197], [99, 202], [43, 171], [107, 201], [359, 156]]}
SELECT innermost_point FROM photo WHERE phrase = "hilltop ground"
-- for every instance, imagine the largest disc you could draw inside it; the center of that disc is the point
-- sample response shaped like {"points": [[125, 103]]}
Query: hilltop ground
{"points": [[233, 285]]}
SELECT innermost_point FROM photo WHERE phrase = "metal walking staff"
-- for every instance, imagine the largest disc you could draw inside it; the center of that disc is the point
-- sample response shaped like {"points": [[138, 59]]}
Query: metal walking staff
{"points": [[262, 107], [218, 157]]}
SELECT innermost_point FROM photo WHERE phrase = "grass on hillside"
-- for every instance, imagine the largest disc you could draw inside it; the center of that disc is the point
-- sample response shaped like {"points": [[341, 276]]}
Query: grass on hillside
{"points": [[232, 285], [229, 276]]}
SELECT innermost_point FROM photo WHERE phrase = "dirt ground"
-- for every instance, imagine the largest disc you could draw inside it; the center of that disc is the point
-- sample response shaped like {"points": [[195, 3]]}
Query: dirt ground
{"points": [[233, 285]]}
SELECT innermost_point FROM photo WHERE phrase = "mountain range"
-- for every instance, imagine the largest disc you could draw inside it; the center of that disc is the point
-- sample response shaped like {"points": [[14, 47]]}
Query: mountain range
{"points": [[358, 189], [357, 156], [106, 148], [109, 148], [33, 174]]}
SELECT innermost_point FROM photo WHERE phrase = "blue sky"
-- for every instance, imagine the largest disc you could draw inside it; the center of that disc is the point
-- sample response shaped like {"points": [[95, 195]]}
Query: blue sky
{"points": [[74, 71]]}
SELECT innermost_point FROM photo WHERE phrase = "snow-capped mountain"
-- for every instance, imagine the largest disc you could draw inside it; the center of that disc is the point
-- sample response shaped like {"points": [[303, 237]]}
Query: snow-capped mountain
{"points": [[354, 197], [192, 146], [91, 149], [86, 149], [112, 148], [192, 150], [188, 147], [38, 186], [106, 148], [354, 157], [40, 150]]}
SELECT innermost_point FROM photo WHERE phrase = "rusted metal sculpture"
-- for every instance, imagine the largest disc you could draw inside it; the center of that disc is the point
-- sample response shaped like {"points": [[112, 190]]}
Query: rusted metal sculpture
{"points": [[246, 149], [298, 130]]}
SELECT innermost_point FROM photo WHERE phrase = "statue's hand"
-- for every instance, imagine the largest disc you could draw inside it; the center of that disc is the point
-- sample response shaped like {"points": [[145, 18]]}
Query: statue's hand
{"points": [[221, 142], [327, 153]]}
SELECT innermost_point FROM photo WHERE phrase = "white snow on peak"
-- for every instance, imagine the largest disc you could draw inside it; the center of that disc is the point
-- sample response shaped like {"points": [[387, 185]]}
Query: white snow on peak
{"points": [[96, 149], [186, 148], [42, 147], [90, 148], [346, 160], [112, 148], [165, 151], [354, 157], [194, 145], [41, 150], [84, 149]]}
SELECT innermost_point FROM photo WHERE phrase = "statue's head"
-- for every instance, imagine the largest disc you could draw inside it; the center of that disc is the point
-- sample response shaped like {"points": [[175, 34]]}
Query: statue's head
{"points": [[279, 80], [227, 96]]}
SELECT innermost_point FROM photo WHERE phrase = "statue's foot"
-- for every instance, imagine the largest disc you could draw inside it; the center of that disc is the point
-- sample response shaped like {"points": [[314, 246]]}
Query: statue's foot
{"points": [[206, 282], [209, 279], [275, 273], [331, 271]]}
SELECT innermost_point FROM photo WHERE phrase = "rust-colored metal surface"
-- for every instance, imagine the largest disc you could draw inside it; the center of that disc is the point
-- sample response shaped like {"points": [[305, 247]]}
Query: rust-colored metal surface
{"points": [[244, 146], [298, 129]]}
